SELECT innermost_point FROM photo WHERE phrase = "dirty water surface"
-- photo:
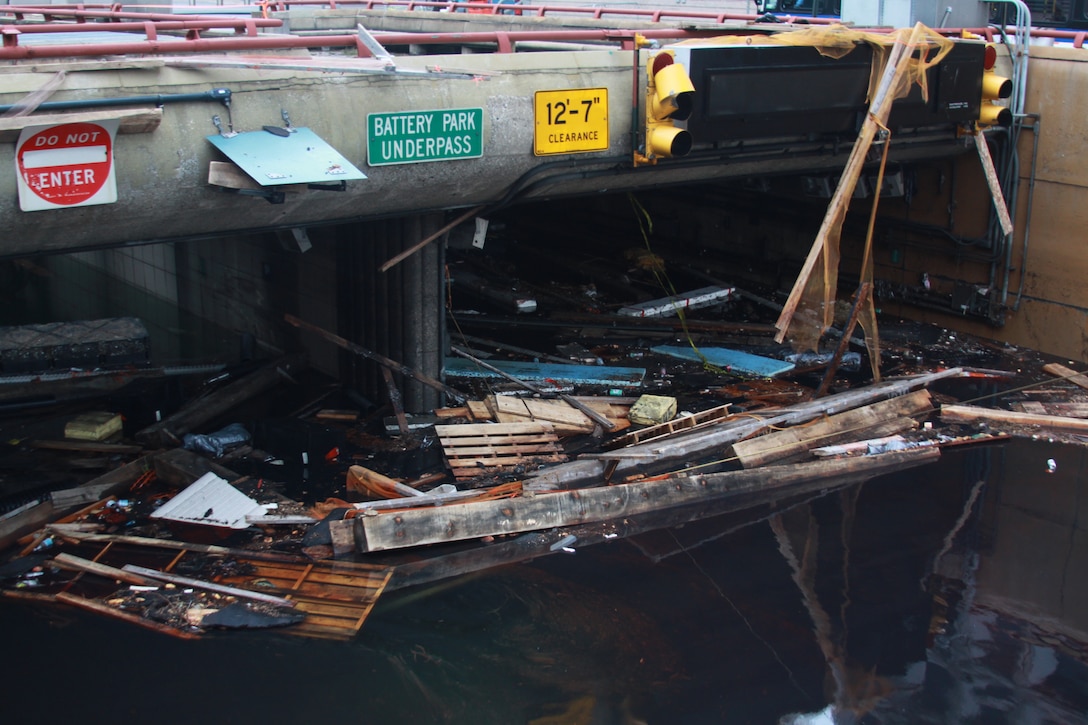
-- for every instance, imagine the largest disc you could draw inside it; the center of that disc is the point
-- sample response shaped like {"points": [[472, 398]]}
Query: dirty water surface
{"points": [[949, 593]]}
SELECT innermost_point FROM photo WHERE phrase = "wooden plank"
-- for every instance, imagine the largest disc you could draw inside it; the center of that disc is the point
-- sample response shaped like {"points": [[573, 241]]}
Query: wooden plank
{"points": [[557, 412], [971, 413], [133, 120], [487, 430], [342, 535], [209, 586], [76, 563], [229, 175], [998, 196], [529, 513], [349, 416], [97, 607], [478, 410], [85, 446], [1065, 373], [516, 446], [865, 422]]}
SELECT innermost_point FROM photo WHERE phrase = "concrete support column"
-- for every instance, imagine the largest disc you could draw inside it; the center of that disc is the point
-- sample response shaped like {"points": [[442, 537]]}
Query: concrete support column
{"points": [[398, 313]]}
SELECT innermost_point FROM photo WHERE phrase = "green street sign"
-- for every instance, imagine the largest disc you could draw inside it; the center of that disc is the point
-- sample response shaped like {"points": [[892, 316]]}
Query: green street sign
{"points": [[414, 137]]}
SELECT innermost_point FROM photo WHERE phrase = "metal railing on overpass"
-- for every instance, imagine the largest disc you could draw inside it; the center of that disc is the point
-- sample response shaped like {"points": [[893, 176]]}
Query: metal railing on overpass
{"points": [[246, 28]]}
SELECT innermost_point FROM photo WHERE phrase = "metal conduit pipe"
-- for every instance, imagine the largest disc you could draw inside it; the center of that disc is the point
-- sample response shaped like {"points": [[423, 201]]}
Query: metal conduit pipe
{"points": [[216, 94], [1035, 128]]}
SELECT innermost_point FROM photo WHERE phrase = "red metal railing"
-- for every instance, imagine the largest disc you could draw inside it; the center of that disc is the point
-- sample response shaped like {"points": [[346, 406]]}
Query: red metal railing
{"points": [[652, 14], [107, 18]]}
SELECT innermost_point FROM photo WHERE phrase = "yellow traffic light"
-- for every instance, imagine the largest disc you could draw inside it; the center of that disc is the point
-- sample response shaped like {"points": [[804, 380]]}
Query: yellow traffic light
{"points": [[670, 97], [994, 88]]}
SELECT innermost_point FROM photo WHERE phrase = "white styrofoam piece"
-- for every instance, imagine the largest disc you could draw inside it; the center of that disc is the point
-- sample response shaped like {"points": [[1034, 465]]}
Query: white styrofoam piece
{"points": [[212, 501]]}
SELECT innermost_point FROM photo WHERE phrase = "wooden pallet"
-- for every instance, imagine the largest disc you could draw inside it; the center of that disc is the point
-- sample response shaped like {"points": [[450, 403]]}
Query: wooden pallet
{"points": [[676, 425], [335, 597], [474, 448]]}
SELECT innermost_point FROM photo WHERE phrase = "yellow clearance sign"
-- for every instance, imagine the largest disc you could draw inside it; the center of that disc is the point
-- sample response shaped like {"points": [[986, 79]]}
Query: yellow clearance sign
{"points": [[570, 121]]}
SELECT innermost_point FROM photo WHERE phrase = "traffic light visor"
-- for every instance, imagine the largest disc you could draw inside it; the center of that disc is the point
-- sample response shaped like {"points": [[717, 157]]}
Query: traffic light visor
{"points": [[674, 95]]}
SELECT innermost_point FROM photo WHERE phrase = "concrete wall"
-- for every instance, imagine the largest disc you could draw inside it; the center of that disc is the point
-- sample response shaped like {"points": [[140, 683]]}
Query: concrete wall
{"points": [[162, 173], [1053, 313]]}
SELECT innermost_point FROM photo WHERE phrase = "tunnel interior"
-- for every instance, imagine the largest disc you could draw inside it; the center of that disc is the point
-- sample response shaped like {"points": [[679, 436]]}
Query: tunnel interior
{"points": [[518, 273]]}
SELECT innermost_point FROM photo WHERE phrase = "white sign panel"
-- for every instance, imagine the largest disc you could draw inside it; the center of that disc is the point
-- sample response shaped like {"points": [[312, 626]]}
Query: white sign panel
{"points": [[66, 165]]}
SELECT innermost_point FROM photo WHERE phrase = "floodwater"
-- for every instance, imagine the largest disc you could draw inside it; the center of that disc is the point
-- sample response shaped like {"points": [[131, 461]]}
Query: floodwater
{"points": [[953, 593]]}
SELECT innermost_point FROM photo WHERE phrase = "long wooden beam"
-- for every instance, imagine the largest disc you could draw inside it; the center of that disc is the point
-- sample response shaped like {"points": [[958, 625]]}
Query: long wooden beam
{"points": [[458, 522]]}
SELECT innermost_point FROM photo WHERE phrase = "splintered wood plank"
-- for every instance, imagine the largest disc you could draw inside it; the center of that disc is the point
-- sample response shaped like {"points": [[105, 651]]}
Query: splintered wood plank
{"points": [[971, 413], [478, 410], [879, 419], [1061, 371], [556, 412], [473, 446]]}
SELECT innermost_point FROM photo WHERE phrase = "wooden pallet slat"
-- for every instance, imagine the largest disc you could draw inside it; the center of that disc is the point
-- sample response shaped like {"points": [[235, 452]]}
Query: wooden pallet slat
{"points": [[472, 447]]}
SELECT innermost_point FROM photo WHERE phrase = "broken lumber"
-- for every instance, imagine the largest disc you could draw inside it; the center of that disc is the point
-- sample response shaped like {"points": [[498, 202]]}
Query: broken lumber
{"points": [[884, 418], [594, 415], [1061, 371], [456, 522], [208, 586], [76, 563], [972, 413], [825, 247], [677, 450], [196, 413], [564, 418]]}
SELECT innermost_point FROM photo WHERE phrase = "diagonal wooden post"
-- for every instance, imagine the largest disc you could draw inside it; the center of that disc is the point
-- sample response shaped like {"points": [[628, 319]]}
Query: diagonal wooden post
{"points": [[898, 61], [995, 185]]}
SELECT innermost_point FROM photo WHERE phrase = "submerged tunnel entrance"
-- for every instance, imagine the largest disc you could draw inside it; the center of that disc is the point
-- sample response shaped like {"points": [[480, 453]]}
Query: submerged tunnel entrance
{"points": [[520, 272]]}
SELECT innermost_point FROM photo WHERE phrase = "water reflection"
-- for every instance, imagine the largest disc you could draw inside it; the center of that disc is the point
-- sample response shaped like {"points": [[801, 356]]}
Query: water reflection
{"points": [[943, 594]]}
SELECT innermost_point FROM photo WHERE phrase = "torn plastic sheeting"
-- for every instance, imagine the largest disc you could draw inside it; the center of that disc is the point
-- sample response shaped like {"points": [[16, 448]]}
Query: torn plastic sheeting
{"points": [[240, 615], [217, 443]]}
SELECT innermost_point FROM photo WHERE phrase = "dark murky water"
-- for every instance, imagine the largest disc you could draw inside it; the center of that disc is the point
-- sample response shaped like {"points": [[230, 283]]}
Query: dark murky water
{"points": [[953, 593]]}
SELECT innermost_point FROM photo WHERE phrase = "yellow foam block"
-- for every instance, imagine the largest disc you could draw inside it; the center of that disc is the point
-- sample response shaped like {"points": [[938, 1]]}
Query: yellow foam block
{"points": [[652, 409], [96, 426]]}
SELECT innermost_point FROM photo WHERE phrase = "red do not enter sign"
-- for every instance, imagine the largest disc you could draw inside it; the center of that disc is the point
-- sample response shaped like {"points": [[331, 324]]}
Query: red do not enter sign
{"points": [[66, 165]]}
